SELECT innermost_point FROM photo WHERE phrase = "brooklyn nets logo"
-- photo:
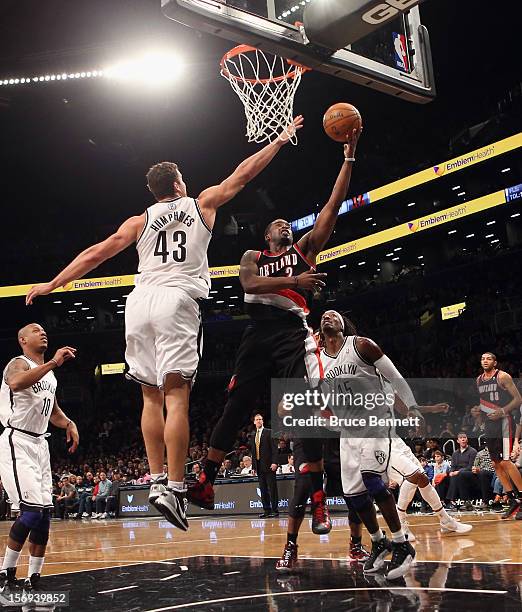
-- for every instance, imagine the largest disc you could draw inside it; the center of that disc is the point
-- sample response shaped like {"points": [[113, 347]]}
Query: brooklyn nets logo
{"points": [[380, 456]]}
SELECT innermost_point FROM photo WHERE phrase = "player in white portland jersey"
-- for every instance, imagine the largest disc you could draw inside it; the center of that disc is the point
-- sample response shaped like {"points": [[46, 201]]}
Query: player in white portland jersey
{"points": [[352, 357], [163, 326], [27, 404]]}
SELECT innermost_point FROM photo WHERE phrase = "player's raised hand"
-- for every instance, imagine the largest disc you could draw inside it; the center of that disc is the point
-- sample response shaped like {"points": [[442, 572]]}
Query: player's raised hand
{"points": [[311, 280], [64, 354], [290, 130], [351, 142], [72, 436], [43, 289]]}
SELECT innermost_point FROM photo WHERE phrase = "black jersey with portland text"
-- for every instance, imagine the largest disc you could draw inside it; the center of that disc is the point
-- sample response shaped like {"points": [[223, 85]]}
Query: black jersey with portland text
{"points": [[273, 305], [492, 393]]}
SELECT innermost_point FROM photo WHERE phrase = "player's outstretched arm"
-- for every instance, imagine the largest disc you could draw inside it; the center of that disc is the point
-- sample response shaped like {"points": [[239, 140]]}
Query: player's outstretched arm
{"points": [[92, 257], [59, 419], [20, 376], [255, 284], [314, 241], [212, 198]]}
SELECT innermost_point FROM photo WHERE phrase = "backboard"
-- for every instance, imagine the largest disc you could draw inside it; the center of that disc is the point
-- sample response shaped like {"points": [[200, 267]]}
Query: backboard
{"points": [[394, 59]]}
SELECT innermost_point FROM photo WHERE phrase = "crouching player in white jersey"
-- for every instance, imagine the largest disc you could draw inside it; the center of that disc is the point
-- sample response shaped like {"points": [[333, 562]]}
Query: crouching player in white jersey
{"points": [[346, 355], [27, 404], [163, 327]]}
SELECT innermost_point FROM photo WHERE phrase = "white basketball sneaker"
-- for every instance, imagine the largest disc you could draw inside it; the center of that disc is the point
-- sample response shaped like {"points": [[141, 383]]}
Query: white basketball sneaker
{"points": [[453, 526]]}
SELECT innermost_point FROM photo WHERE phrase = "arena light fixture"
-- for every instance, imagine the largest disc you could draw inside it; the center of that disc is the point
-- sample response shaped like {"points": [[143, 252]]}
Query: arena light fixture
{"points": [[343, 266], [85, 308], [220, 302], [234, 297], [114, 301], [452, 232], [461, 193], [455, 188], [91, 317], [490, 236], [369, 219], [57, 302], [491, 223], [155, 69], [46, 78], [120, 306], [470, 235], [496, 240], [420, 257], [231, 305], [411, 204], [71, 311], [227, 287], [395, 259], [397, 249], [361, 263], [515, 215], [77, 303], [120, 312], [374, 224], [214, 291], [505, 170]]}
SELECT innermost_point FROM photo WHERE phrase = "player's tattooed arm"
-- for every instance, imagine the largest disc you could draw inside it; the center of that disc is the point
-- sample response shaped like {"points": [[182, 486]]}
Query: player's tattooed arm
{"points": [[314, 241], [20, 376], [255, 284], [60, 419], [516, 399]]}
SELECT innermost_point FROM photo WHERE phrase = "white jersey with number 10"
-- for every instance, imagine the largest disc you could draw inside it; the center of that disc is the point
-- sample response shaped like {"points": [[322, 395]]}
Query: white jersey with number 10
{"points": [[172, 247]]}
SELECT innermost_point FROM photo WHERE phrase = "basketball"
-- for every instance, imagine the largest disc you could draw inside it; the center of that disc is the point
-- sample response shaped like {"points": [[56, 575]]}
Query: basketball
{"points": [[340, 119]]}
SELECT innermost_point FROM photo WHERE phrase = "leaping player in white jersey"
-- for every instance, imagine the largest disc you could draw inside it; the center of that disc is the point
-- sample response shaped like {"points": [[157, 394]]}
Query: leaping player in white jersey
{"points": [[27, 404], [163, 327], [346, 355]]}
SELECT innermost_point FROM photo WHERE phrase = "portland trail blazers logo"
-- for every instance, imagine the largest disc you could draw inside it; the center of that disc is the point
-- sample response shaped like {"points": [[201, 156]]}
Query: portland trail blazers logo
{"points": [[380, 456]]}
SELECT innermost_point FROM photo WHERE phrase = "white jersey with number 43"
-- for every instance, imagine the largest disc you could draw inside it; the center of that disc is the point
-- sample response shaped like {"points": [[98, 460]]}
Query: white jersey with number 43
{"points": [[172, 247], [29, 409]]}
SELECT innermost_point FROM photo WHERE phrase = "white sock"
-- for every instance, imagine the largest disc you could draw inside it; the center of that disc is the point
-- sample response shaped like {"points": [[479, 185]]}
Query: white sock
{"points": [[377, 536], [35, 565], [10, 558], [406, 494], [430, 495], [177, 486], [398, 536], [156, 476]]}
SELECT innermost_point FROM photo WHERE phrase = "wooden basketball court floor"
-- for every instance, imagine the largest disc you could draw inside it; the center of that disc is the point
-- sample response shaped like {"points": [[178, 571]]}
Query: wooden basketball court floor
{"points": [[227, 563]]}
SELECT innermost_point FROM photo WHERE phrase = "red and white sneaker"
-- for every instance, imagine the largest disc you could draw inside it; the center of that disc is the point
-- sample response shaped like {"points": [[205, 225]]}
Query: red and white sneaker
{"points": [[357, 554], [320, 516], [288, 559]]}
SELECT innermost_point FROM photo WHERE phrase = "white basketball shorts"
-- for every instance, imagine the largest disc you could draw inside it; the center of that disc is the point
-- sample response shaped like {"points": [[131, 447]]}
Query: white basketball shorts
{"points": [[164, 334], [403, 462], [360, 455], [25, 468]]}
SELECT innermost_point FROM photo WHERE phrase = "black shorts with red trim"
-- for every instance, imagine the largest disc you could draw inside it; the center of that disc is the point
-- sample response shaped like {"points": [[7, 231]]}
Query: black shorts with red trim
{"points": [[499, 437], [273, 348]]}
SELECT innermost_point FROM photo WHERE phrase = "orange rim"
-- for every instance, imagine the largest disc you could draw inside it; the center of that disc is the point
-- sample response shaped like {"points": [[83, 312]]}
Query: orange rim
{"points": [[248, 49]]}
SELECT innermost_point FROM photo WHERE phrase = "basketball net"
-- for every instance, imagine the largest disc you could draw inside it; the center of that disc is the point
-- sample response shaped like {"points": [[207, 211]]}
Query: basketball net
{"points": [[266, 85]]}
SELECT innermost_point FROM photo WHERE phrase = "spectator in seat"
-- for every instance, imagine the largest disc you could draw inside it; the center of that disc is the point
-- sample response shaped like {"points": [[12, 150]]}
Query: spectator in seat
{"points": [[247, 469], [4, 506], [101, 495], [441, 469], [66, 499], [484, 472], [461, 463], [432, 445], [112, 498], [289, 467]]}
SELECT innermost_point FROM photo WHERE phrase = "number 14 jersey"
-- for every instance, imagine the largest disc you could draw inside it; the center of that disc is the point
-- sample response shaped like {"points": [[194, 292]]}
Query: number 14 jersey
{"points": [[172, 247], [29, 409]]}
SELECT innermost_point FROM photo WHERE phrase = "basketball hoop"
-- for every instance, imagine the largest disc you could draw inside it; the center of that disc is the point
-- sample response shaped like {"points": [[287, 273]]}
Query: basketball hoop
{"points": [[266, 85]]}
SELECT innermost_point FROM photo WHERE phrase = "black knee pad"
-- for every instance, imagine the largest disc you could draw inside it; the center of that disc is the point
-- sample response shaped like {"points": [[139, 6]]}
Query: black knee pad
{"points": [[40, 534], [358, 502], [297, 505], [19, 531], [376, 487], [353, 517]]}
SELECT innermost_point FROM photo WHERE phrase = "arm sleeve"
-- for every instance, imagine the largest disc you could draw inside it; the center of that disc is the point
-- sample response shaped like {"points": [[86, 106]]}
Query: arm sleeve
{"points": [[399, 384]]}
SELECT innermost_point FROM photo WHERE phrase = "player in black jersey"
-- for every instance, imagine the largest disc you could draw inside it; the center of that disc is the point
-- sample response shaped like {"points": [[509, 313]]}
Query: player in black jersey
{"points": [[498, 398], [277, 284]]}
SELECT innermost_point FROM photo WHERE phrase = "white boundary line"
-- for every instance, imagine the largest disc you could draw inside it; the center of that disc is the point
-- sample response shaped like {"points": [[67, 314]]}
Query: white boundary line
{"points": [[308, 592]]}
